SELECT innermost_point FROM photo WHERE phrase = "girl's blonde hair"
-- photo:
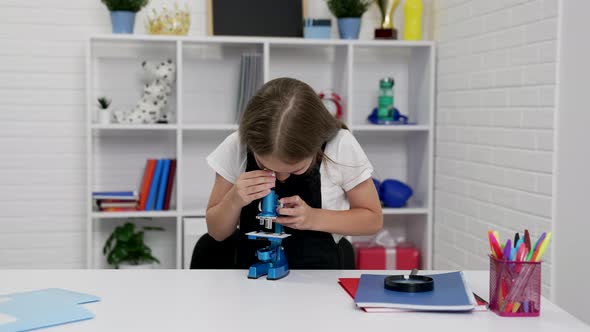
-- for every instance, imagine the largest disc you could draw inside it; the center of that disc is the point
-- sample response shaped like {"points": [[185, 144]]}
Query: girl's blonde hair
{"points": [[287, 119]]}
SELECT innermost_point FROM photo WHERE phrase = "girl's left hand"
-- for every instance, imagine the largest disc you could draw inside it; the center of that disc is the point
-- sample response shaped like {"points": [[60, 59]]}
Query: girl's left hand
{"points": [[296, 214]]}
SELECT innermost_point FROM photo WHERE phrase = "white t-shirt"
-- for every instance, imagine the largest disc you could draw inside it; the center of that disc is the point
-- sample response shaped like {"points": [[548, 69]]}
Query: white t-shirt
{"points": [[348, 167]]}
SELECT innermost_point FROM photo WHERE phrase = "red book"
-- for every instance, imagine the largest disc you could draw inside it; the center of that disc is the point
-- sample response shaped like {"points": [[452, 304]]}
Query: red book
{"points": [[169, 184], [147, 180]]}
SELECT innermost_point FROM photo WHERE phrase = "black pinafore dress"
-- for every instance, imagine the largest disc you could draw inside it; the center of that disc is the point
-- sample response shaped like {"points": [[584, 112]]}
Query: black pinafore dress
{"points": [[304, 249]]}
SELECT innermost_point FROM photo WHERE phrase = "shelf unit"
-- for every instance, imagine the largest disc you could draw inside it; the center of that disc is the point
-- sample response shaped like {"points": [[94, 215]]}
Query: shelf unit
{"points": [[205, 99]]}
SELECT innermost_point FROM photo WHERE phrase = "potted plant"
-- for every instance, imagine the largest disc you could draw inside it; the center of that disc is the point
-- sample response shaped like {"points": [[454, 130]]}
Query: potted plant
{"points": [[104, 112], [123, 13], [349, 13], [125, 248]]}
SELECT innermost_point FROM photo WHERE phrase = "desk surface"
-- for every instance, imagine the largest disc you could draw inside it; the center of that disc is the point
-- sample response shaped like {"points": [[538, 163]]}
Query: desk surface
{"points": [[225, 300]]}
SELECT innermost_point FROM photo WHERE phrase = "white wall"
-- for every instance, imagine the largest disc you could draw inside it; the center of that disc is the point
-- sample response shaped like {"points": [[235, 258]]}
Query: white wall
{"points": [[42, 144], [42, 105], [572, 179], [496, 90]]}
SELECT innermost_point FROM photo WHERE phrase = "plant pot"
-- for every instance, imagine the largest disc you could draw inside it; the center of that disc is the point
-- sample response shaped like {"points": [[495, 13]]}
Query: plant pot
{"points": [[125, 266], [104, 116], [349, 27], [123, 21]]}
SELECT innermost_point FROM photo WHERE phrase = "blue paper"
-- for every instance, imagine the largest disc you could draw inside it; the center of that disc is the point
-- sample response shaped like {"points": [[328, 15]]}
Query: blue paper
{"points": [[450, 294], [43, 308]]}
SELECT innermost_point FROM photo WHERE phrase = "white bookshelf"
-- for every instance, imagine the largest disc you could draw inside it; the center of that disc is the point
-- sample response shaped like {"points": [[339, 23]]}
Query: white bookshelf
{"points": [[205, 100]]}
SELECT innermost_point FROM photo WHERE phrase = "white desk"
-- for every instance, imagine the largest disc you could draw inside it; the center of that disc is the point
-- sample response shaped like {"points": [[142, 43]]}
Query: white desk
{"points": [[304, 301]]}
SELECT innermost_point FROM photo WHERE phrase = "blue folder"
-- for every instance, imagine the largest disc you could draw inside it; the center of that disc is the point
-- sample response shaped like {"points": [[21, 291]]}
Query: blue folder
{"points": [[450, 293], [43, 308]]}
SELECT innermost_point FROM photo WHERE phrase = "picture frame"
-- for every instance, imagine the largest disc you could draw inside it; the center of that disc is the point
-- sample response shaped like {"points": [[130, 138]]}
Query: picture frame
{"points": [[260, 18]]}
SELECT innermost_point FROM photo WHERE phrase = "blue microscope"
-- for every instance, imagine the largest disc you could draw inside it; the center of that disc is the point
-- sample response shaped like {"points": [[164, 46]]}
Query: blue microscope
{"points": [[273, 262]]}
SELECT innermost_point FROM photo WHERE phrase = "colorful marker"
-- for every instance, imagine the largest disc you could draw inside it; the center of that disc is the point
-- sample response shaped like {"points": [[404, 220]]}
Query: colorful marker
{"points": [[519, 243], [507, 249], [527, 239], [490, 235], [532, 251], [515, 307], [509, 307], [542, 248], [520, 253], [495, 246], [520, 256]]}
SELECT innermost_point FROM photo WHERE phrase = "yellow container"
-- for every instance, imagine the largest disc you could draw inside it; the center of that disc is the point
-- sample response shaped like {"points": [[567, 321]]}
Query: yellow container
{"points": [[413, 20]]}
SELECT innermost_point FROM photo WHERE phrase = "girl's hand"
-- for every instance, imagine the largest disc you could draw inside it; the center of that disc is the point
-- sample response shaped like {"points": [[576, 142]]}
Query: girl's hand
{"points": [[253, 185], [296, 214]]}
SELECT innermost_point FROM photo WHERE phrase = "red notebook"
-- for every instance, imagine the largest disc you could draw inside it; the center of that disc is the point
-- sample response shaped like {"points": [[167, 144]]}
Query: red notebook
{"points": [[350, 285]]}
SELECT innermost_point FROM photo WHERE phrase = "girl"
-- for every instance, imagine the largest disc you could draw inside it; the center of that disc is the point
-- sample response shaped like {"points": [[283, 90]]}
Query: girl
{"points": [[287, 140]]}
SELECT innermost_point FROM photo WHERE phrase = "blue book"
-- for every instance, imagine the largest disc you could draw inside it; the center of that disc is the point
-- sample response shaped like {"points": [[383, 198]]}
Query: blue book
{"points": [[151, 201], [162, 185], [114, 194], [450, 293]]}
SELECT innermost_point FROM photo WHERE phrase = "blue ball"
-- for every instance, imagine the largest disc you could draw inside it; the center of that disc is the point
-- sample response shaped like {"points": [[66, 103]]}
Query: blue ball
{"points": [[377, 184], [394, 193]]}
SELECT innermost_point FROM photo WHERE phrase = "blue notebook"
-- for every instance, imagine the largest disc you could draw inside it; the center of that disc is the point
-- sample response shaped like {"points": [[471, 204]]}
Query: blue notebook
{"points": [[450, 293]]}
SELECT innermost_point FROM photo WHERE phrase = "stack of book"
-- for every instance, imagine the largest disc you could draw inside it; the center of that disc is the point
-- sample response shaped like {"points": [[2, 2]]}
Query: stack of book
{"points": [[155, 191], [115, 200]]}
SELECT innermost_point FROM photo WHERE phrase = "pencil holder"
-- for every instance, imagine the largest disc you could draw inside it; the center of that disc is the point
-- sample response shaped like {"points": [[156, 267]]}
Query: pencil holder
{"points": [[515, 288]]}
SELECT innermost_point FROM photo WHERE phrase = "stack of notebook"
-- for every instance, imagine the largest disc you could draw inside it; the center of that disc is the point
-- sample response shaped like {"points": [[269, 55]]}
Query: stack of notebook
{"points": [[451, 293]]}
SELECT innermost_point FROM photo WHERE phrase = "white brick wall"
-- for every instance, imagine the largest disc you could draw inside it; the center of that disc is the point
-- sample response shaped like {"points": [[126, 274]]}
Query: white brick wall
{"points": [[42, 144], [494, 148]]}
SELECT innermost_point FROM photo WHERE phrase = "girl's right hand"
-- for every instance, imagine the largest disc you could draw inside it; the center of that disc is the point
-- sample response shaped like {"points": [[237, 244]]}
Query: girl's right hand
{"points": [[253, 185]]}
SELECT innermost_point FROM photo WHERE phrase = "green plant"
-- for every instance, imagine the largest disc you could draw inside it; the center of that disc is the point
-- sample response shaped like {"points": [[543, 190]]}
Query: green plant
{"points": [[348, 8], [125, 5], [104, 103], [126, 244]]}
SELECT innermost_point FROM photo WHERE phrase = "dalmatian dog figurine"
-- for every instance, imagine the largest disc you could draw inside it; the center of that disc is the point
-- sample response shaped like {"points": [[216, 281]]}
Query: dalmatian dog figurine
{"points": [[153, 105]]}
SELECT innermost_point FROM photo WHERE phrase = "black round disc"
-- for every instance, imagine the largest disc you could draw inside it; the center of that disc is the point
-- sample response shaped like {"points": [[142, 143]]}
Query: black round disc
{"points": [[409, 283]]}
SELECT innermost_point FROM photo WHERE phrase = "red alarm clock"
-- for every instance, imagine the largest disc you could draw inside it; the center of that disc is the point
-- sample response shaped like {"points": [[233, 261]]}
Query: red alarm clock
{"points": [[333, 103]]}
